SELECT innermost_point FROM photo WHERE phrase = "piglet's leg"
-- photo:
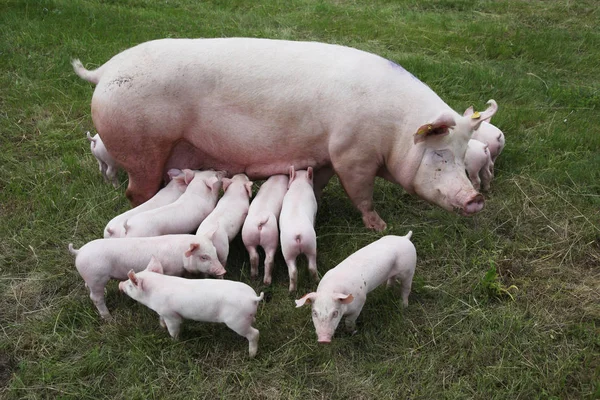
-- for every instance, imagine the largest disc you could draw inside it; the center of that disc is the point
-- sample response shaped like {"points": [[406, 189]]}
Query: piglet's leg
{"points": [[243, 327], [97, 296], [173, 323], [293, 272], [269, 262], [254, 259]]}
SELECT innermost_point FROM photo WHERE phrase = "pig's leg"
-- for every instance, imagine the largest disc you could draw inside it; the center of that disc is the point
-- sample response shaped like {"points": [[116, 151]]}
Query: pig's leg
{"points": [[320, 180], [312, 266], [243, 327], [161, 322], [474, 177], [269, 262], [145, 173], [390, 282], [405, 286], [173, 324], [358, 180], [486, 177], [293, 272], [97, 296], [111, 173], [254, 258]]}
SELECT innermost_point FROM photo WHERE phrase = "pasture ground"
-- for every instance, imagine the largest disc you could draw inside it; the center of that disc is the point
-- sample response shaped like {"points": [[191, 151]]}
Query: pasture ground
{"points": [[505, 304]]}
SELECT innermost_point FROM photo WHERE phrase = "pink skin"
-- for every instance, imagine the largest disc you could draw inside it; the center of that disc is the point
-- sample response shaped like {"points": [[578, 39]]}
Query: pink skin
{"points": [[343, 290], [490, 135], [167, 195], [260, 227], [107, 165], [478, 164], [296, 223], [223, 104], [207, 300], [185, 214], [101, 260], [225, 221]]}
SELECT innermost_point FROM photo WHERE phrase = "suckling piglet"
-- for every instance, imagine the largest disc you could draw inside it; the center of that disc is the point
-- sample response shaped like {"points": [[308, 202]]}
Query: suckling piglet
{"points": [[226, 220], [106, 163], [208, 300], [103, 259], [260, 227], [296, 223], [478, 164], [167, 195], [185, 214], [343, 289]]}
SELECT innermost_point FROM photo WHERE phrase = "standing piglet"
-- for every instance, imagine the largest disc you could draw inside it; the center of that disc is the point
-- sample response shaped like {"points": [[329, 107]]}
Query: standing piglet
{"points": [[478, 164], [296, 223], [103, 259], [167, 195], [208, 300], [343, 289], [489, 134], [260, 227], [185, 214], [226, 220], [106, 164]]}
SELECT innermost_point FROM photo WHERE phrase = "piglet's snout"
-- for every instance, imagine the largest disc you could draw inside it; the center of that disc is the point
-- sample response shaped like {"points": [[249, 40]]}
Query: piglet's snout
{"points": [[122, 286]]}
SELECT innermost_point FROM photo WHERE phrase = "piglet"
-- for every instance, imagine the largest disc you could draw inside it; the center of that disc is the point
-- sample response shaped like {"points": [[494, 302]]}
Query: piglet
{"points": [[107, 165], [226, 220], [296, 223], [185, 214], [488, 134], [343, 289], [103, 259], [167, 195], [260, 227], [207, 300], [478, 164]]}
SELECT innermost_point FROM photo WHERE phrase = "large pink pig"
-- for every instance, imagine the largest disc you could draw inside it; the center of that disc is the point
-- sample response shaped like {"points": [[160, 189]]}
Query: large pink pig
{"points": [[209, 300], [258, 105], [343, 289], [260, 227]]}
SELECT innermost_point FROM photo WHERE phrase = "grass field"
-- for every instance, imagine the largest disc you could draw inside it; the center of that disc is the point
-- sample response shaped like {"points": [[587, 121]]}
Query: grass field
{"points": [[467, 333]]}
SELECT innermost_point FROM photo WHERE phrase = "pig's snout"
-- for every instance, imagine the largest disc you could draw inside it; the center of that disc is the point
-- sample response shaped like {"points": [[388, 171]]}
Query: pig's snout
{"points": [[324, 340], [122, 286], [474, 205]]}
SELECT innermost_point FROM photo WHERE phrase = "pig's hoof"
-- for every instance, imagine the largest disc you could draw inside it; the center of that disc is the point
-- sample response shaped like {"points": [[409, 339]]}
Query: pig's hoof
{"points": [[373, 221]]}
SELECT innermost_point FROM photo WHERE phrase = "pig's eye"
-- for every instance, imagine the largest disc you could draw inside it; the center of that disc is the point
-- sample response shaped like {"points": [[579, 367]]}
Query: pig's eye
{"points": [[204, 257], [438, 154], [314, 313], [335, 314]]}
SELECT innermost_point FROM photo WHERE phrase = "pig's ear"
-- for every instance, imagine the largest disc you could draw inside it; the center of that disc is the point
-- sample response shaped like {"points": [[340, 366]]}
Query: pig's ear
{"points": [[292, 173], [248, 186], [188, 176], [173, 173], [132, 277], [343, 298], [477, 118], [226, 183], [155, 266], [440, 127], [468, 112], [193, 247], [211, 182], [309, 173], [306, 299]]}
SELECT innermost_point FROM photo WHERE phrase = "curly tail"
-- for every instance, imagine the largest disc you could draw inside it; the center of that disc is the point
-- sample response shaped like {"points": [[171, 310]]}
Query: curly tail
{"points": [[73, 250], [262, 296], [90, 76], [408, 235]]}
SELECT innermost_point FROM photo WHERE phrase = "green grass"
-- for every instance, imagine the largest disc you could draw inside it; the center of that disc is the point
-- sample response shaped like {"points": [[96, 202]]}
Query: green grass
{"points": [[460, 337]]}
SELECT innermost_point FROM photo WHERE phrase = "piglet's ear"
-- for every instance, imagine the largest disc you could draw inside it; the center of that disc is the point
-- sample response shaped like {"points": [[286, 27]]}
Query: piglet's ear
{"points": [[248, 186], [292, 173], [211, 182], [440, 127], [226, 183], [188, 176], [193, 247], [132, 277], [155, 266], [477, 118], [343, 298], [306, 299], [468, 112]]}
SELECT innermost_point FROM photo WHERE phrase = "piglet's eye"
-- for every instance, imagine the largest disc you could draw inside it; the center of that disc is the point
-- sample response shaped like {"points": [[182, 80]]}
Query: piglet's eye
{"points": [[335, 314], [314, 313], [204, 258]]}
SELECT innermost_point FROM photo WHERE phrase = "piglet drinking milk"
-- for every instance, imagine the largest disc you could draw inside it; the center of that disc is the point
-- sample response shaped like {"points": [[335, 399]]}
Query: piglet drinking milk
{"points": [[343, 289], [106, 163]]}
